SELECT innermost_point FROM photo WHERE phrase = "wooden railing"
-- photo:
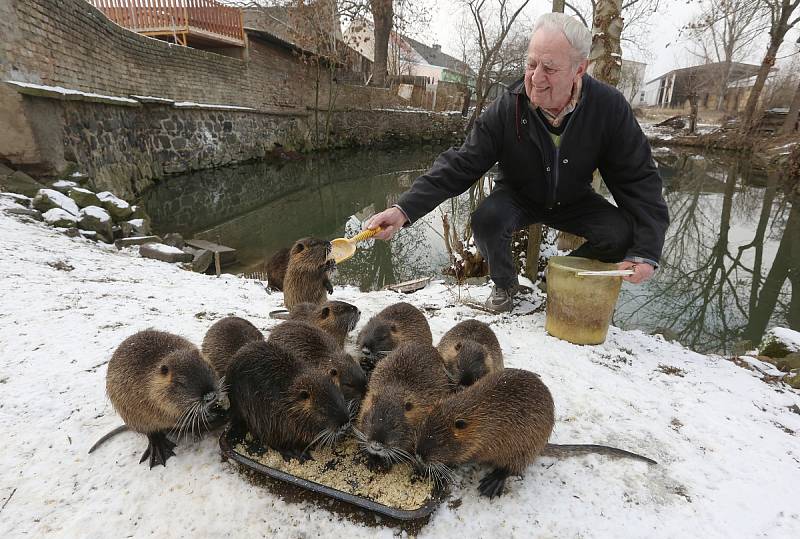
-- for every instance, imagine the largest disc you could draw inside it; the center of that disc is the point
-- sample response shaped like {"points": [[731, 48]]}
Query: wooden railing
{"points": [[161, 16]]}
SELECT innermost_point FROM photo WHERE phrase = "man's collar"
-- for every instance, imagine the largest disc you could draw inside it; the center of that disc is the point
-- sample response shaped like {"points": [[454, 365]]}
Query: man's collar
{"points": [[556, 119]]}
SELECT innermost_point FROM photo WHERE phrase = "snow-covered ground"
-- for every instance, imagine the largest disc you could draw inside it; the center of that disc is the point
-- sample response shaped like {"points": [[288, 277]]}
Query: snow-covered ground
{"points": [[726, 442]]}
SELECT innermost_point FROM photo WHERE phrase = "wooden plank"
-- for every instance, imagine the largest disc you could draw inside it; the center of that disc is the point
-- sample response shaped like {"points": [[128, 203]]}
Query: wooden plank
{"points": [[227, 255], [408, 287]]}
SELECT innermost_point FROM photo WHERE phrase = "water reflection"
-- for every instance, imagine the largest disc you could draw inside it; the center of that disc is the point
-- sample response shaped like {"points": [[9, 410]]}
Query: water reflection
{"points": [[727, 256], [730, 258]]}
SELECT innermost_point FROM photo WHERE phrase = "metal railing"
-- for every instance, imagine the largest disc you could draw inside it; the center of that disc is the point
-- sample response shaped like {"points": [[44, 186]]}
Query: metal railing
{"points": [[166, 17]]}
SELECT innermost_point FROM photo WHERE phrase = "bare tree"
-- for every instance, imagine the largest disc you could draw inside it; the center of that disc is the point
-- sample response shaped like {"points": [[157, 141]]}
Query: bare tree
{"points": [[490, 38], [782, 19], [725, 31], [605, 57], [636, 18]]}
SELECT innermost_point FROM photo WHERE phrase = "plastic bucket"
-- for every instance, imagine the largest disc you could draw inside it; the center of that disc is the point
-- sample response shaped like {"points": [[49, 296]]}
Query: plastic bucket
{"points": [[579, 308]]}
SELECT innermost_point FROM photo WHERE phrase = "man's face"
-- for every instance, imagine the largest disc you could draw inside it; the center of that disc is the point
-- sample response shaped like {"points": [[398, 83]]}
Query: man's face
{"points": [[550, 70]]}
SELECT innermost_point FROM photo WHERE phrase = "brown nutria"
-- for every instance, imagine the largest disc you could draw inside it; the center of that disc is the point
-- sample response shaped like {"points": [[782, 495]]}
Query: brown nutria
{"points": [[401, 392], [401, 322], [337, 318], [275, 268], [225, 338], [503, 420], [308, 273], [470, 351], [285, 404], [315, 348], [159, 383]]}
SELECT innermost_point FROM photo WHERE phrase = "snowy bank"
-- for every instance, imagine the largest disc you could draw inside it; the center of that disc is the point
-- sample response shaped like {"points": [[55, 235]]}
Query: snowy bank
{"points": [[726, 442]]}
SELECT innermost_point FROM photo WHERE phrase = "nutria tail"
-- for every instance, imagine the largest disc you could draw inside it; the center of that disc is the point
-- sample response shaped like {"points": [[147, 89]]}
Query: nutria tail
{"points": [[98, 443], [566, 450]]}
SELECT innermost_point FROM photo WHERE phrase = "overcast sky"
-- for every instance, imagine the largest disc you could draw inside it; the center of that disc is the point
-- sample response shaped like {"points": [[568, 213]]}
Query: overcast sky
{"points": [[665, 26]]}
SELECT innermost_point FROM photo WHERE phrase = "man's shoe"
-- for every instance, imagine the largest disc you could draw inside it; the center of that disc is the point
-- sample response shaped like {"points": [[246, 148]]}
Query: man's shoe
{"points": [[500, 300]]}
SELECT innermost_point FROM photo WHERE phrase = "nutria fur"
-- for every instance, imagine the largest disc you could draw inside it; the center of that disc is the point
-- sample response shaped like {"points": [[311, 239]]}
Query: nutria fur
{"points": [[275, 268], [315, 348], [283, 403], [401, 322], [403, 389], [225, 338], [337, 318], [470, 351], [308, 273], [159, 383], [503, 420]]}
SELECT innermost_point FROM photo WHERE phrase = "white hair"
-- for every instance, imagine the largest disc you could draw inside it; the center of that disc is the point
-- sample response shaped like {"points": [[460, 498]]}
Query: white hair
{"points": [[576, 33]]}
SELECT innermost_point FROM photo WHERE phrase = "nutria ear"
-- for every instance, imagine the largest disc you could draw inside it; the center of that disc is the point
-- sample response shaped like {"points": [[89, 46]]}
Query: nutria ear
{"points": [[461, 424], [393, 328], [298, 248], [458, 345], [409, 406], [333, 372], [304, 395], [326, 311], [164, 370]]}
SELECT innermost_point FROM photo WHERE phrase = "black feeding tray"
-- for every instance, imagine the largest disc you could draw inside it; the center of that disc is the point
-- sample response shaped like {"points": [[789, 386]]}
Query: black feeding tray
{"points": [[227, 441]]}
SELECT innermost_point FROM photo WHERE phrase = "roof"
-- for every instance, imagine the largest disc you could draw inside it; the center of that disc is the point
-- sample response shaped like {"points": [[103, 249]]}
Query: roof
{"points": [[739, 71], [435, 56]]}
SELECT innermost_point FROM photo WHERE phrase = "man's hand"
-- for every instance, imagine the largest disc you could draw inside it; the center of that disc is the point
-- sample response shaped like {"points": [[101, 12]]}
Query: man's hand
{"points": [[390, 220], [642, 271]]}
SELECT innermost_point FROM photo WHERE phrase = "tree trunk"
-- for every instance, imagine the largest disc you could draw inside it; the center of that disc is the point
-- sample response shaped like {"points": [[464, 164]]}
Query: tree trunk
{"points": [[755, 94], [693, 106], [382, 15], [605, 57], [532, 254], [790, 124]]}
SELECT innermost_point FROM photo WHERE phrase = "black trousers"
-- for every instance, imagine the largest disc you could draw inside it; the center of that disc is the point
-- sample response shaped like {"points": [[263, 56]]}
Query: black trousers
{"points": [[608, 230]]}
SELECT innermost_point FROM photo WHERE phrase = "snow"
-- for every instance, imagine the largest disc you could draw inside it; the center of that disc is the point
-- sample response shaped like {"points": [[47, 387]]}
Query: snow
{"points": [[136, 223], [58, 214], [81, 190], [64, 184], [98, 213], [108, 196], [69, 92], [60, 199], [787, 336], [163, 248], [726, 442]]}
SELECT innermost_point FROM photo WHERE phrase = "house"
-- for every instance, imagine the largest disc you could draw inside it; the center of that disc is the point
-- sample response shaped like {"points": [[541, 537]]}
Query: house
{"points": [[631, 81], [674, 88], [409, 57]]}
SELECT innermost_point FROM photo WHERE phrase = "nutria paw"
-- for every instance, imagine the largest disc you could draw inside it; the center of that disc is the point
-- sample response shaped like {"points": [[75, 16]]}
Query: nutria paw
{"points": [[289, 454], [328, 286], [159, 449], [377, 464], [493, 483]]}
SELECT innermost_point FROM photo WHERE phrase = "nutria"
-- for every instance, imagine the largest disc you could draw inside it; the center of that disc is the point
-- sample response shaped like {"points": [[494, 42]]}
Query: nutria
{"points": [[337, 318], [470, 351], [308, 273], [285, 404], [159, 383], [316, 348], [503, 420], [275, 268], [225, 338], [401, 392], [401, 322]]}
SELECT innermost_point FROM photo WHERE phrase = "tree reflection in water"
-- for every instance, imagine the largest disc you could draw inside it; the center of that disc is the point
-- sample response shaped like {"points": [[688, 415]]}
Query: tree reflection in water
{"points": [[710, 289]]}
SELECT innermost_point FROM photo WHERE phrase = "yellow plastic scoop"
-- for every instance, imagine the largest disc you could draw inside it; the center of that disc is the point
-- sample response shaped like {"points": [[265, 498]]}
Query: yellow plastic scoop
{"points": [[344, 248]]}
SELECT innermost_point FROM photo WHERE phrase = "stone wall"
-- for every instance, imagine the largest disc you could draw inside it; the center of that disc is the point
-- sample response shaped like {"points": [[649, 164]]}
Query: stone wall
{"points": [[69, 43]]}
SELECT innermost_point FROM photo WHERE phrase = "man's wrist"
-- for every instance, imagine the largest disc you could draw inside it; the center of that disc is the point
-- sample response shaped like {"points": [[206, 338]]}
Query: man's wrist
{"points": [[641, 260], [408, 221]]}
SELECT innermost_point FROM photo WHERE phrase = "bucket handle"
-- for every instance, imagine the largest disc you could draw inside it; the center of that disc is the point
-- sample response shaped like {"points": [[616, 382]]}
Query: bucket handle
{"points": [[606, 273]]}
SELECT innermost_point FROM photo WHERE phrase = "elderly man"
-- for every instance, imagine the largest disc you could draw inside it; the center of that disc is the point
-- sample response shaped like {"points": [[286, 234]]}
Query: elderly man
{"points": [[548, 133]]}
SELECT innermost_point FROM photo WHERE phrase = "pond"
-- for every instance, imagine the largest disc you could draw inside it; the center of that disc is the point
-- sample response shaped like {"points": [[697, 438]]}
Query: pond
{"points": [[725, 276]]}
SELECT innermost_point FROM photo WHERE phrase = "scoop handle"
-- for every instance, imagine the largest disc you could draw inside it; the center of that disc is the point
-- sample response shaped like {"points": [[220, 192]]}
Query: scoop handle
{"points": [[364, 235]]}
